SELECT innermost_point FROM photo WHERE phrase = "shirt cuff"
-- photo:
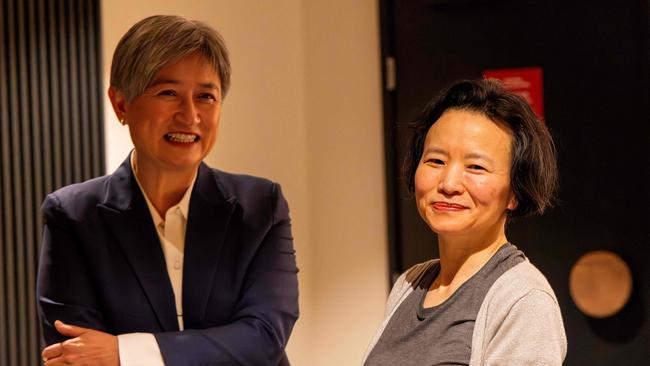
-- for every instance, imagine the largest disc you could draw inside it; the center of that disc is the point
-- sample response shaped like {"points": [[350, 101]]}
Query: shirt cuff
{"points": [[139, 349]]}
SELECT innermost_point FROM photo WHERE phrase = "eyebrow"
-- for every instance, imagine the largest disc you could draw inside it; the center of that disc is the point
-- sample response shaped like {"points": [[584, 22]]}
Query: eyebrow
{"points": [[435, 150], [471, 155], [475, 155], [173, 81]]}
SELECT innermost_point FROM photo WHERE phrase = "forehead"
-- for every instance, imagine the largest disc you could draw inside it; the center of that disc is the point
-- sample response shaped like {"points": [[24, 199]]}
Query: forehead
{"points": [[469, 130]]}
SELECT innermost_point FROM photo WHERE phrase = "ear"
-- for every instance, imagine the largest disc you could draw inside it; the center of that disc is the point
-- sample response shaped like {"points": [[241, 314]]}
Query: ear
{"points": [[512, 202], [118, 101]]}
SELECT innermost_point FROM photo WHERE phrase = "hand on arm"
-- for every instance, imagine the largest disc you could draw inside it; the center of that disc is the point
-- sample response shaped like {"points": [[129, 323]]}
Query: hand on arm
{"points": [[85, 347]]}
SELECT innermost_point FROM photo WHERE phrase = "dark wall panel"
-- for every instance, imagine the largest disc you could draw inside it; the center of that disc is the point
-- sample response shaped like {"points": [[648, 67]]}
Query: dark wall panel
{"points": [[50, 136]]}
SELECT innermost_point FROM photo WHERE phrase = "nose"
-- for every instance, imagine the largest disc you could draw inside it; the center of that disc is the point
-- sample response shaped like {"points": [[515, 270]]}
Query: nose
{"points": [[188, 112], [451, 181]]}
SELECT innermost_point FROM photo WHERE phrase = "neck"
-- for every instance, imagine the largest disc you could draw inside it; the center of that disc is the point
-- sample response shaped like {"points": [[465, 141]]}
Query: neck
{"points": [[164, 188], [463, 256]]}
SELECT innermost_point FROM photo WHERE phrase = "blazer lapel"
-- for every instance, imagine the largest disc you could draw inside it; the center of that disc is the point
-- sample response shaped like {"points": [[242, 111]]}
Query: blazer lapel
{"points": [[209, 217], [127, 215]]}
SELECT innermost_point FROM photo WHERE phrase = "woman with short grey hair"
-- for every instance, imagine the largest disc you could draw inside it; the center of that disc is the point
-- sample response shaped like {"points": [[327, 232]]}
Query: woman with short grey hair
{"points": [[166, 260]]}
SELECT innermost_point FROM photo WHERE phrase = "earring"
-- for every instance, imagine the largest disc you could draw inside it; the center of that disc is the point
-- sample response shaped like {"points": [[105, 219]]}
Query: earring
{"points": [[122, 121]]}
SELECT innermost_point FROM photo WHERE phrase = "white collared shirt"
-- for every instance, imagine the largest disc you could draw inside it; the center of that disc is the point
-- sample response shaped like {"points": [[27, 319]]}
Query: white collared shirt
{"points": [[142, 348]]}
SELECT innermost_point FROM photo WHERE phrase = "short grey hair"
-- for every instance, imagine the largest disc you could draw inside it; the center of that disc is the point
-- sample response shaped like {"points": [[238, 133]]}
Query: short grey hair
{"points": [[155, 41]]}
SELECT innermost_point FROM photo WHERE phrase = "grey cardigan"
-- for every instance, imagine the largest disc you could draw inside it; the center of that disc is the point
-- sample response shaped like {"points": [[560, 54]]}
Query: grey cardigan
{"points": [[518, 323]]}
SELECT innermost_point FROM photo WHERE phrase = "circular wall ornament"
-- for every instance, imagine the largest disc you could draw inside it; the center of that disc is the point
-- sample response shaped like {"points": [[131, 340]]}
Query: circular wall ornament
{"points": [[600, 283]]}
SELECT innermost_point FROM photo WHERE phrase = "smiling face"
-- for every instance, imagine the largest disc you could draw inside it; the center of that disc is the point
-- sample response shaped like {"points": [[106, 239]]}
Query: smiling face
{"points": [[174, 123], [462, 183]]}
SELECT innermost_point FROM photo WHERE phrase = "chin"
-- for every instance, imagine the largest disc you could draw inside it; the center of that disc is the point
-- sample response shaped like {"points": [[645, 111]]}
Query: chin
{"points": [[446, 225], [449, 231], [182, 164]]}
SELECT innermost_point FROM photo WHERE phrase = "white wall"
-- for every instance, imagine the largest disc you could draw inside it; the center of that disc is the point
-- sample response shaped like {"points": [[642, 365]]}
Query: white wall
{"points": [[346, 175], [304, 110]]}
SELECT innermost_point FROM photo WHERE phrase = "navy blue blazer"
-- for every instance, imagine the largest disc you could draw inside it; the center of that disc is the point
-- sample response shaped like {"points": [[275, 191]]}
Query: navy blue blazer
{"points": [[102, 267]]}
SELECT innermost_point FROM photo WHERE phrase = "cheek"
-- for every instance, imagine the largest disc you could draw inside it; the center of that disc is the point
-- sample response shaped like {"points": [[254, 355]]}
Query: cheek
{"points": [[488, 191], [137, 131], [484, 190], [149, 116], [211, 132], [423, 181]]}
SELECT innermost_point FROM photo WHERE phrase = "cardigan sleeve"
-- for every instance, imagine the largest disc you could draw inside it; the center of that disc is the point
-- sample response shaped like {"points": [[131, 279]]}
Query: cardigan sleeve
{"points": [[519, 322], [531, 334]]}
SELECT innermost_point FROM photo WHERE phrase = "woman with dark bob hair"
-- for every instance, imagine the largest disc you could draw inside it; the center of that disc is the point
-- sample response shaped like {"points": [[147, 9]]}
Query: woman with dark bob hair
{"points": [[166, 260], [478, 157]]}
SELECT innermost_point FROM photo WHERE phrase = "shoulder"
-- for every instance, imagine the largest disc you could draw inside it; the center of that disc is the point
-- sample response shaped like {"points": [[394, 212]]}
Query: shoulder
{"points": [[242, 185], [522, 285], [416, 275], [519, 281], [407, 282], [93, 187], [238, 180], [76, 198], [255, 195]]}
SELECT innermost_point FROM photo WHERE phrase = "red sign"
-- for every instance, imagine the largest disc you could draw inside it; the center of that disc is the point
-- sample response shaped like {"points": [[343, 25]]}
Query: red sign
{"points": [[526, 82]]}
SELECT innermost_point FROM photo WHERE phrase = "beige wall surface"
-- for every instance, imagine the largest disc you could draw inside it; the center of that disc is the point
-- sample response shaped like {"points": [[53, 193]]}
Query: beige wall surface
{"points": [[304, 110]]}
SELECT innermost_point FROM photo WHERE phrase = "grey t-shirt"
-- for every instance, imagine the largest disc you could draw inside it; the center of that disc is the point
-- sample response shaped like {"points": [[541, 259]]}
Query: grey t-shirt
{"points": [[441, 335]]}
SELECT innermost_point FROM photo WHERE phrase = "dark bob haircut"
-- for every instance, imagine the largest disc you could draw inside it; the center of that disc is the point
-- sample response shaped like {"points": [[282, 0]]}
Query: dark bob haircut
{"points": [[533, 170]]}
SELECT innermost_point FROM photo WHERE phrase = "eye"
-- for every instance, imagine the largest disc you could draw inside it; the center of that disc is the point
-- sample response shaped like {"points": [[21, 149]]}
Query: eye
{"points": [[476, 167], [434, 161], [167, 93], [208, 97]]}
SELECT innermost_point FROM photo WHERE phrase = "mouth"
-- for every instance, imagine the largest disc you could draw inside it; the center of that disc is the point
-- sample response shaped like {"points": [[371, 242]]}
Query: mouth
{"points": [[182, 137], [447, 206]]}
